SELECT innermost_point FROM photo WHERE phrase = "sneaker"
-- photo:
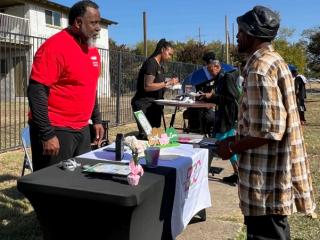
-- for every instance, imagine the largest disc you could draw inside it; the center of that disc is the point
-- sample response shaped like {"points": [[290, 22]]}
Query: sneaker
{"points": [[233, 179]]}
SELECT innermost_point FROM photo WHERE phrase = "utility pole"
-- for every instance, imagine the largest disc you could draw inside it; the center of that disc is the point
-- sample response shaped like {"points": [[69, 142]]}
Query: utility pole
{"points": [[233, 46], [233, 35], [227, 39], [145, 34], [199, 35]]}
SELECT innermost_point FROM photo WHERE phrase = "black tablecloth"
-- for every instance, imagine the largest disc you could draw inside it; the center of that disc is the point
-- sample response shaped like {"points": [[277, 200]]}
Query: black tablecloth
{"points": [[101, 206]]}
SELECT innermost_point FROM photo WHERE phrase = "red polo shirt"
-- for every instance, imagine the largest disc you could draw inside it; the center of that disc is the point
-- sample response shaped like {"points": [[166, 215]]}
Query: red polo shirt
{"points": [[71, 71]]}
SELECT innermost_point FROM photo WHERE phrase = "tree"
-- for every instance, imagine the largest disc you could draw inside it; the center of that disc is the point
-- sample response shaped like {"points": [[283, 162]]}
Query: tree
{"points": [[113, 46], [292, 53], [121, 57], [285, 33], [139, 47], [313, 49], [217, 47], [191, 52]]}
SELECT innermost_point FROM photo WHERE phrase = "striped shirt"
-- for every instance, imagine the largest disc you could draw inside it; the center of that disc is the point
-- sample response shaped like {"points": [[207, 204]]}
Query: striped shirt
{"points": [[275, 176]]}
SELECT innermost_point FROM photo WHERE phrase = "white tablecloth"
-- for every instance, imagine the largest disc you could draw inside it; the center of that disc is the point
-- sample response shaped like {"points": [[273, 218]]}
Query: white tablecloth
{"points": [[192, 189]]}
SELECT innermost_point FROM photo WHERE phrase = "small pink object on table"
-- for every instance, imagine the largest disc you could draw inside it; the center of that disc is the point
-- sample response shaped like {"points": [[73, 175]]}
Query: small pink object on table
{"points": [[164, 139], [136, 172]]}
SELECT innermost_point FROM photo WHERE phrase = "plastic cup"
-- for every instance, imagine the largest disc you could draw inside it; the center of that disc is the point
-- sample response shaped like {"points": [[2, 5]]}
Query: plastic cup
{"points": [[188, 89], [152, 156]]}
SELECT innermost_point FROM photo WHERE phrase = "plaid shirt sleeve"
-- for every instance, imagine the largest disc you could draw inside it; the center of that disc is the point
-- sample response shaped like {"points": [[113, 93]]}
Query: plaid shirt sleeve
{"points": [[266, 111]]}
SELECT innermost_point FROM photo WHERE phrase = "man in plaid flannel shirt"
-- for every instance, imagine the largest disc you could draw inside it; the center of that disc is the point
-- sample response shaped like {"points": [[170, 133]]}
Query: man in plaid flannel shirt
{"points": [[274, 173]]}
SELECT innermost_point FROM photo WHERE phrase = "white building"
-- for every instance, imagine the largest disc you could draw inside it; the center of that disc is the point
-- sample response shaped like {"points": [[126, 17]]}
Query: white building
{"points": [[24, 25]]}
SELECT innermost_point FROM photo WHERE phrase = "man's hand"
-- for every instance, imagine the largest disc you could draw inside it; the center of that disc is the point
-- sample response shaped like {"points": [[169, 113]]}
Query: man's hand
{"points": [[51, 147], [169, 82], [174, 80], [206, 96], [223, 149], [226, 150], [99, 131]]}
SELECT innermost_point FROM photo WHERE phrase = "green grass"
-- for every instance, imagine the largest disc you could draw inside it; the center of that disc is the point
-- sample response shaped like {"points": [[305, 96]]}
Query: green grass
{"points": [[242, 234], [18, 220]]}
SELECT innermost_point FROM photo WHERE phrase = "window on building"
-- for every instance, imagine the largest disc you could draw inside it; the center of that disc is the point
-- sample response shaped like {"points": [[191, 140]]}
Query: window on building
{"points": [[53, 18], [3, 67]]}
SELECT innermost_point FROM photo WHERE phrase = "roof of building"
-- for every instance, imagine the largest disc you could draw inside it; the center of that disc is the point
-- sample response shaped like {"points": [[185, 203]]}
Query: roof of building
{"points": [[45, 3]]}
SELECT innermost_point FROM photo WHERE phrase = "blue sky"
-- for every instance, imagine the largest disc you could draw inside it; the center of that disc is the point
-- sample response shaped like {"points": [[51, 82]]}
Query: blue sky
{"points": [[180, 20]]}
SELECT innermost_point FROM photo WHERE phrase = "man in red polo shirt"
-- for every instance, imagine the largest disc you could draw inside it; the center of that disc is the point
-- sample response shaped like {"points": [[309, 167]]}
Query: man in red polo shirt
{"points": [[62, 89]]}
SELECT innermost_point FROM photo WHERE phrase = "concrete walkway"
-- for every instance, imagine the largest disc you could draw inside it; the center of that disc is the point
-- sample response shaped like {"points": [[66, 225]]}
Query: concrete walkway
{"points": [[224, 218]]}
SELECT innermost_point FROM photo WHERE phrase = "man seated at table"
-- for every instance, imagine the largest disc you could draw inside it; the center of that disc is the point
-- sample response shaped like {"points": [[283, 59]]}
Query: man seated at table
{"points": [[202, 120], [225, 95]]}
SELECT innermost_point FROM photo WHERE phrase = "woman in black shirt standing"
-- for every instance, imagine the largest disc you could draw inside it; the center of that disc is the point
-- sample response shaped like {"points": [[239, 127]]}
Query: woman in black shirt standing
{"points": [[151, 84]]}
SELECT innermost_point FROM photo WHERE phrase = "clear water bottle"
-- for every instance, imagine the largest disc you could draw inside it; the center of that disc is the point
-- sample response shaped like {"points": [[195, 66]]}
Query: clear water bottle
{"points": [[119, 146]]}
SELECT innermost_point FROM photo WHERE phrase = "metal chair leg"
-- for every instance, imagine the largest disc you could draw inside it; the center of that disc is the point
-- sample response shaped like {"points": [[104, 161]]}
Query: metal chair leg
{"points": [[24, 164]]}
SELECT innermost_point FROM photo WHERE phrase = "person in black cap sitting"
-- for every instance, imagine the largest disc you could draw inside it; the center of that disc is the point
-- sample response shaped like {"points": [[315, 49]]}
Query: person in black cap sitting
{"points": [[202, 119], [274, 174], [225, 94]]}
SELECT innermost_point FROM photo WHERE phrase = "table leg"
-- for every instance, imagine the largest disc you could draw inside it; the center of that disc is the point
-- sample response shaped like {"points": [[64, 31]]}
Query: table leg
{"points": [[173, 117], [164, 121]]}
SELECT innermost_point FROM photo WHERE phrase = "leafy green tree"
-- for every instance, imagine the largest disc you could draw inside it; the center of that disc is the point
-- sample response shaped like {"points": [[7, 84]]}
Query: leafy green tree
{"points": [[217, 47], [113, 46], [191, 52], [139, 47], [178, 47], [120, 56], [285, 33], [313, 49], [292, 53]]}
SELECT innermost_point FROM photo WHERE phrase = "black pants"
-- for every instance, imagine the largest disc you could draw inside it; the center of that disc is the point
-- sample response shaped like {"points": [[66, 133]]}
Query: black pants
{"points": [[301, 115], [72, 143], [152, 111], [267, 227], [200, 120]]}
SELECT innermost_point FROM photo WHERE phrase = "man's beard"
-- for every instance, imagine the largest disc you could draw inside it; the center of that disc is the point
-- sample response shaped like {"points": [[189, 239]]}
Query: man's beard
{"points": [[240, 48], [92, 42]]}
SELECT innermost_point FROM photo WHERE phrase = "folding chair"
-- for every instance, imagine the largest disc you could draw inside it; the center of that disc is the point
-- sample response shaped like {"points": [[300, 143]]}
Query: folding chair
{"points": [[26, 144]]}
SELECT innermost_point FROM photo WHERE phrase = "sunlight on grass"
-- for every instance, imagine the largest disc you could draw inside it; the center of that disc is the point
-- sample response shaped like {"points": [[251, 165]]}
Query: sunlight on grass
{"points": [[242, 234]]}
